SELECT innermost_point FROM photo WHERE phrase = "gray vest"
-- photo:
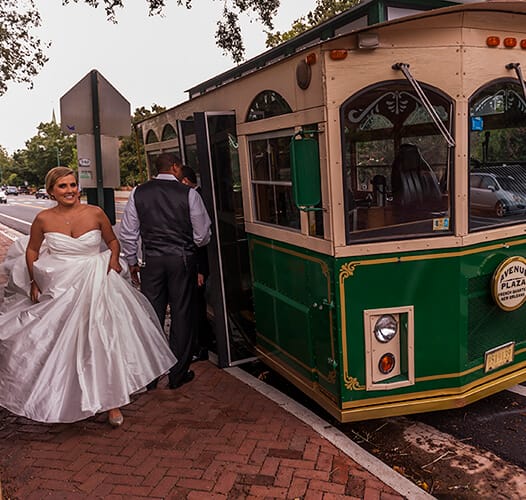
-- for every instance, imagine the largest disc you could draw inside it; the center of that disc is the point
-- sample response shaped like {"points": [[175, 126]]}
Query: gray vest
{"points": [[164, 216]]}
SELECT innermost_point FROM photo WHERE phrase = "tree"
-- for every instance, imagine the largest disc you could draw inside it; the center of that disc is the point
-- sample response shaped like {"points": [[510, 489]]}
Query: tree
{"points": [[21, 53], [324, 10], [228, 34], [5, 162], [131, 150], [49, 148]]}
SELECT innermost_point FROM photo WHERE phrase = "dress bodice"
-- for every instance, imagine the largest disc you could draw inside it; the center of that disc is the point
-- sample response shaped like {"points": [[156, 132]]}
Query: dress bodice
{"points": [[86, 244]]}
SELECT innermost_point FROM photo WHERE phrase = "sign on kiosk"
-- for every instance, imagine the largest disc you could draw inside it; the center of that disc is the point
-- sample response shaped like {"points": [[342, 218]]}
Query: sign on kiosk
{"points": [[87, 165]]}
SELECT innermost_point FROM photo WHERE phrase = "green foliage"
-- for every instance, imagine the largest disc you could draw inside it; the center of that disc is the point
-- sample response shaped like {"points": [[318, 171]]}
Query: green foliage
{"points": [[49, 148], [324, 10], [21, 55], [228, 34], [131, 150], [5, 162]]}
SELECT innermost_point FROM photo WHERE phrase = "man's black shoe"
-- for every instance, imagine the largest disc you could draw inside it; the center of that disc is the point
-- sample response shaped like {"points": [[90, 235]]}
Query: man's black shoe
{"points": [[188, 377], [202, 355], [152, 385]]}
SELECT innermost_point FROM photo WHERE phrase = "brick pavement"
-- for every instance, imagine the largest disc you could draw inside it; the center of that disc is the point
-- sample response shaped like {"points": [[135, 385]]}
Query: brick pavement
{"points": [[213, 438]]}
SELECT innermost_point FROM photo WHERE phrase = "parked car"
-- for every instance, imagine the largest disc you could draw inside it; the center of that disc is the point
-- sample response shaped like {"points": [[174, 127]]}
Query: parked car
{"points": [[42, 194], [12, 190], [3, 196], [500, 194], [23, 190]]}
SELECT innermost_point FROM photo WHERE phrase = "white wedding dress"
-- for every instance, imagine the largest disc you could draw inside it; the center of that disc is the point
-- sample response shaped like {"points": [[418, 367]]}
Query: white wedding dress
{"points": [[89, 343]]}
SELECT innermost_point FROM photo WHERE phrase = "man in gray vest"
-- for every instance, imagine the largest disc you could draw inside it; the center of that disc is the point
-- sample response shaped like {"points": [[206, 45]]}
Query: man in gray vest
{"points": [[172, 222]]}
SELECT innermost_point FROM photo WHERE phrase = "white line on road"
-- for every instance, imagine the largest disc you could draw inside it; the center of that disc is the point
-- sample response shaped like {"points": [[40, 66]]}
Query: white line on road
{"points": [[14, 218]]}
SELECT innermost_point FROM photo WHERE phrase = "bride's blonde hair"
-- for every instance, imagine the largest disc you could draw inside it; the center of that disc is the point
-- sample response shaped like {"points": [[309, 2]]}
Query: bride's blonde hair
{"points": [[55, 174]]}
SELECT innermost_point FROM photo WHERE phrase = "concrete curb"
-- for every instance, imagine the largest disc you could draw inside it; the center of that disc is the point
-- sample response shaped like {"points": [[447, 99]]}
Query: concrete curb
{"points": [[375, 466]]}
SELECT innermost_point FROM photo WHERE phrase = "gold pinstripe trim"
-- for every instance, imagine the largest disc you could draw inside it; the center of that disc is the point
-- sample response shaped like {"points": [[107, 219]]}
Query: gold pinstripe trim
{"points": [[347, 270], [331, 379]]}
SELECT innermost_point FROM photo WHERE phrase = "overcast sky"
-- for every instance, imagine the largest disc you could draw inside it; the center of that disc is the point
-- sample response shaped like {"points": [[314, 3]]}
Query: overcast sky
{"points": [[147, 59]]}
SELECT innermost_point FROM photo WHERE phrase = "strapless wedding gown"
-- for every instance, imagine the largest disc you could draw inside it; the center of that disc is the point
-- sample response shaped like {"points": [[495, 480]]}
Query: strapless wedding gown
{"points": [[90, 342]]}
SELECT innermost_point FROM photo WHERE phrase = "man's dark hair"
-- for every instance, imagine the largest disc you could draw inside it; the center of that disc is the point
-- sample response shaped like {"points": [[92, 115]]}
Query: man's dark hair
{"points": [[189, 173], [164, 161]]}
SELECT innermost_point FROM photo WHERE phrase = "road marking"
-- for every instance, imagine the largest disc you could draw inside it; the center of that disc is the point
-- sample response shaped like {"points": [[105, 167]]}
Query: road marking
{"points": [[518, 389], [14, 218]]}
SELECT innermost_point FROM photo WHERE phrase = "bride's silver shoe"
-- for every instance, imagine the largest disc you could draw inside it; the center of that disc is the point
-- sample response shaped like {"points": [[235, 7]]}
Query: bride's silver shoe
{"points": [[115, 417]]}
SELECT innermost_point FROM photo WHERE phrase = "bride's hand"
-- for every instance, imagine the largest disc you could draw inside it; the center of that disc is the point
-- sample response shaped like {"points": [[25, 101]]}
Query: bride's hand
{"points": [[115, 265], [34, 292]]}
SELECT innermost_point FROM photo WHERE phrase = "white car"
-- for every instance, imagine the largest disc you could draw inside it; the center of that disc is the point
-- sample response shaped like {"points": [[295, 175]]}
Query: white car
{"points": [[3, 196]]}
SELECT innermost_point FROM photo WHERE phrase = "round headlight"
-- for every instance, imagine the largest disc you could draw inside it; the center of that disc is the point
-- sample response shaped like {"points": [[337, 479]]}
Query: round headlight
{"points": [[385, 328]]}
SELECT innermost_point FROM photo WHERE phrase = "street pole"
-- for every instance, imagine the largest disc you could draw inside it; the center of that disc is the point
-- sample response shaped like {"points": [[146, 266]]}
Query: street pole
{"points": [[97, 139], [58, 156]]}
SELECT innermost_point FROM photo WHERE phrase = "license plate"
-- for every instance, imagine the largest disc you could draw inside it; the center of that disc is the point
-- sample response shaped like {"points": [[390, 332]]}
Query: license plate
{"points": [[500, 356]]}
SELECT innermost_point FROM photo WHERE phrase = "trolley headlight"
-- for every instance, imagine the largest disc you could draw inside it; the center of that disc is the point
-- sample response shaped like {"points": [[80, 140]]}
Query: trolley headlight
{"points": [[385, 328], [387, 363]]}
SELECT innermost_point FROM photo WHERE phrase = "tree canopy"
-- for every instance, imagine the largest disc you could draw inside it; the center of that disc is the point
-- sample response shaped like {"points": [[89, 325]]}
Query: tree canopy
{"points": [[51, 147], [21, 52], [228, 35], [324, 10]]}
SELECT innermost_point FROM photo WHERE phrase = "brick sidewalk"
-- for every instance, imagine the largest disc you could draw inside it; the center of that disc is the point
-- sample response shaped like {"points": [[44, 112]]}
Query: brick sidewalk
{"points": [[213, 438]]}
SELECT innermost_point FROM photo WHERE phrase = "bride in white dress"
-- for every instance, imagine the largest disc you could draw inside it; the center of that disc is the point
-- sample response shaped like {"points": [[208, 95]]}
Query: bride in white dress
{"points": [[83, 339]]}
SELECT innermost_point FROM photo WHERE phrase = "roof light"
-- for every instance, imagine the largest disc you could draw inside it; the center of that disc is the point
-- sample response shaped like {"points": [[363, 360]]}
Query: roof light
{"points": [[493, 41], [338, 54], [311, 59], [510, 42]]}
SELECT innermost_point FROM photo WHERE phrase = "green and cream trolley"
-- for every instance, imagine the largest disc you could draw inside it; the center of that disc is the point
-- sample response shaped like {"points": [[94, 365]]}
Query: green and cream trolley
{"points": [[367, 184]]}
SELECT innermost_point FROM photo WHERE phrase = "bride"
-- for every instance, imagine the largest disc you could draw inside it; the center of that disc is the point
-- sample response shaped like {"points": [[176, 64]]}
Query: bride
{"points": [[83, 339]]}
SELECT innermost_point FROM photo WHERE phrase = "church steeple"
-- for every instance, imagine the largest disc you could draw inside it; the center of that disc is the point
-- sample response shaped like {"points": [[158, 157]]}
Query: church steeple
{"points": [[53, 118]]}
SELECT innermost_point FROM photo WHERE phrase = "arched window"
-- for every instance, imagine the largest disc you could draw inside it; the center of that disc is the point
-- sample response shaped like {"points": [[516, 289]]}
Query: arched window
{"points": [[168, 133], [397, 165], [266, 104], [151, 137], [497, 154]]}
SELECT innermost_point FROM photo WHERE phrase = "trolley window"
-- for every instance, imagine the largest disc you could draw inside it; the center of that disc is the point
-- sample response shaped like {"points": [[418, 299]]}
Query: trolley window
{"points": [[271, 180], [497, 170], [267, 104], [396, 163]]}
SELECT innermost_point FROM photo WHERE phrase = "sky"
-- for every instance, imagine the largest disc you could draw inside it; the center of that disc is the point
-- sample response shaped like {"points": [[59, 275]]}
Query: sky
{"points": [[149, 60]]}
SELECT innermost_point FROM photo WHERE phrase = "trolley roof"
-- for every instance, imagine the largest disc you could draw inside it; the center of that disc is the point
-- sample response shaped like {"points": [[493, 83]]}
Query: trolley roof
{"points": [[368, 13]]}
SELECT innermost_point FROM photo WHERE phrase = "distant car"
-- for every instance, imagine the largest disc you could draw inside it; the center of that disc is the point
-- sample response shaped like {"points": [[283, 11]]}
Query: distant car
{"points": [[23, 190], [500, 194], [3, 196], [12, 190], [42, 194]]}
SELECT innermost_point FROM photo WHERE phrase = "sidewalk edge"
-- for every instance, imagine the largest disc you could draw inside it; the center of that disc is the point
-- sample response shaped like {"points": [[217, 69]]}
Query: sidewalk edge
{"points": [[382, 471]]}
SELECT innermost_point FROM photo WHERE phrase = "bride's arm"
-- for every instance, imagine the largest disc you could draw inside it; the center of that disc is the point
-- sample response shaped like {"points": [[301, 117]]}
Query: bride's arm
{"points": [[33, 248], [111, 241]]}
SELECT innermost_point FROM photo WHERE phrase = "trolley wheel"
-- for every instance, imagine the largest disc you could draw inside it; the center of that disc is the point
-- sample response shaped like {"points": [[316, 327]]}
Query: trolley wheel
{"points": [[500, 209]]}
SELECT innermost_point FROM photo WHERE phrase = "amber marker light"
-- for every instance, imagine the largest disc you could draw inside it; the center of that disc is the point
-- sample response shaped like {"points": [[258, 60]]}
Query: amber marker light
{"points": [[338, 54], [386, 363], [523, 43], [493, 41], [510, 42], [311, 59]]}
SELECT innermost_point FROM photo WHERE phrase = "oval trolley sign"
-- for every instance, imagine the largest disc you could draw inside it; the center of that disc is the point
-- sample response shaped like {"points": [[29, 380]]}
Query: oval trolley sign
{"points": [[509, 283]]}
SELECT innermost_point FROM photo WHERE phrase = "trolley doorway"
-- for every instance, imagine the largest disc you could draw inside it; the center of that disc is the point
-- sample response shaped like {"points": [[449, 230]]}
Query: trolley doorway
{"points": [[209, 145]]}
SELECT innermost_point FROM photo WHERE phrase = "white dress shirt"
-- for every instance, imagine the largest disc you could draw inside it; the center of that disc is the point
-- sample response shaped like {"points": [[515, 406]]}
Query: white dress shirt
{"points": [[129, 231]]}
